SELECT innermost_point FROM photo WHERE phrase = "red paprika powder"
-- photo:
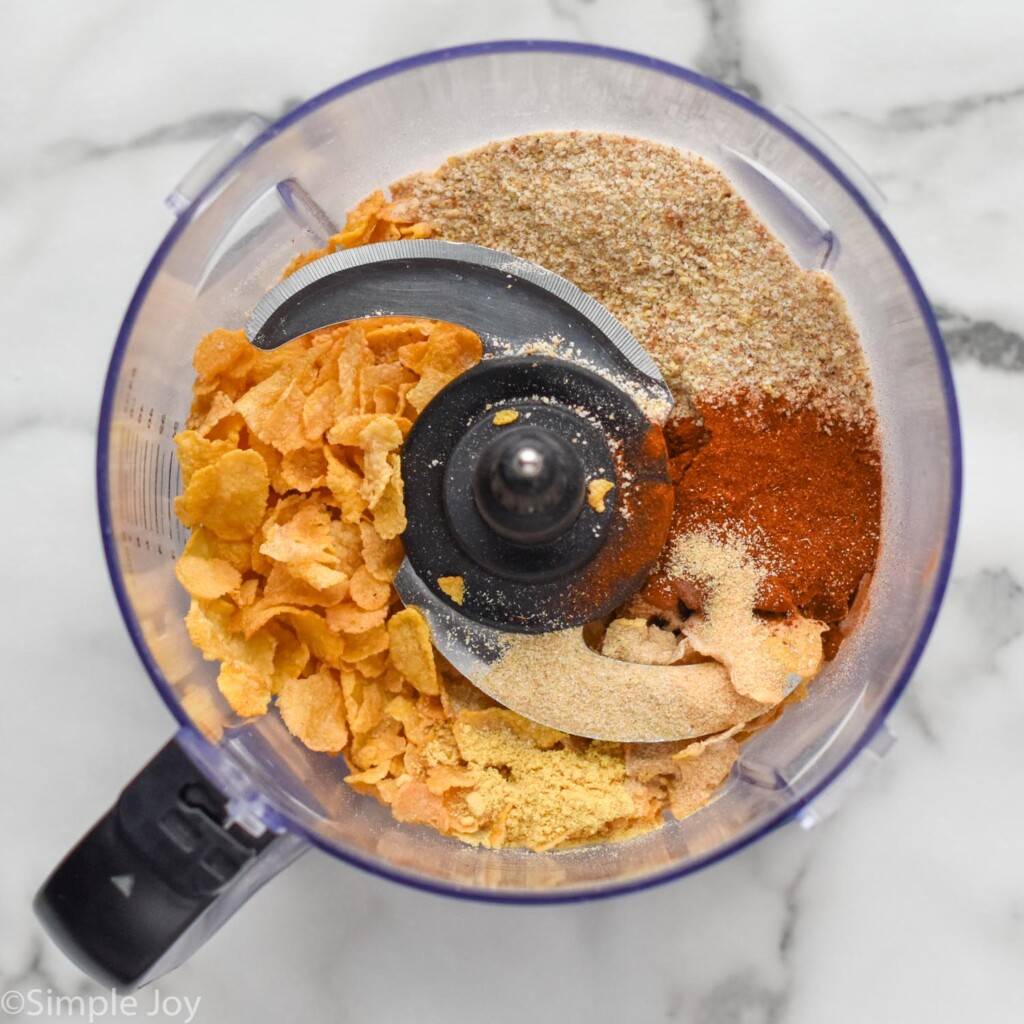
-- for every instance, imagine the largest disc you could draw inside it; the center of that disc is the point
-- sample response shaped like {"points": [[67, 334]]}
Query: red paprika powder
{"points": [[802, 494]]}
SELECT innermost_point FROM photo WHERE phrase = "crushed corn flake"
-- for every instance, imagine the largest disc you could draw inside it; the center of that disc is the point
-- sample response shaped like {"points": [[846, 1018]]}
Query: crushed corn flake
{"points": [[454, 587], [597, 491]]}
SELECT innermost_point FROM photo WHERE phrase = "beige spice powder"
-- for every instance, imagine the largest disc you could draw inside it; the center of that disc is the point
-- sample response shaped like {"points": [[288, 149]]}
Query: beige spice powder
{"points": [[557, 679], [545, 796], [765, 660]]}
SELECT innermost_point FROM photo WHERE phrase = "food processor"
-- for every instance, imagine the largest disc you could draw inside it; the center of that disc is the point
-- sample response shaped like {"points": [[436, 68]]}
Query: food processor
{"points": [[209, 820]]}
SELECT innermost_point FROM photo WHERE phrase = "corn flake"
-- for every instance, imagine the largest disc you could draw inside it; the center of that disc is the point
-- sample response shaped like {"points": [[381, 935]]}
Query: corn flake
{"points": [[364, 702], [345, 484], [367, 591], [256, 615], [364, 645], [246, 690], [228, 497], [313, 709], [380, 745], [304, 469], [273, 408], [348, 617], [597, 491], [453, 586], [415, 803], [382, 557], [283, 586], [378, 439], [204, 544], [320, 409], [304, 537], [220, 351], [207, 578], [211, 628], [386, 336], [196, 452], [411, 651], [389, 512], [314, 632], [450, 350]]}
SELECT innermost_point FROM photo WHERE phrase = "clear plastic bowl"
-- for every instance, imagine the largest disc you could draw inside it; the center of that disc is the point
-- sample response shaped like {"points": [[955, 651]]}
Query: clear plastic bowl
{"points": [[277, 197]]}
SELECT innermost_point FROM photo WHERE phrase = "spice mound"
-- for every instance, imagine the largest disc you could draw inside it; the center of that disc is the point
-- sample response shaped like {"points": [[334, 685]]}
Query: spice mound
{"points": [[292, 471], [801, 492]]}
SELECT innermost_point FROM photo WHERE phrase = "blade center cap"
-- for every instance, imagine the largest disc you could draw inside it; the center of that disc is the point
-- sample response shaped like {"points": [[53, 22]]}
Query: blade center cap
{"points": [[529, 485]]}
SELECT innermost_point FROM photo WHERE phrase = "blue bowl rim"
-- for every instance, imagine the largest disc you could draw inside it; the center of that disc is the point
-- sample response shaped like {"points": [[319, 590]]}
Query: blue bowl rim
{"points": [[514, 46]]}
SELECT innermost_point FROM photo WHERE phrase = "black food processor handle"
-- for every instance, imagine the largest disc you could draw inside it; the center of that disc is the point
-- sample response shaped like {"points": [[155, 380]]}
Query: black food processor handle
{"points": [[157, 875]]}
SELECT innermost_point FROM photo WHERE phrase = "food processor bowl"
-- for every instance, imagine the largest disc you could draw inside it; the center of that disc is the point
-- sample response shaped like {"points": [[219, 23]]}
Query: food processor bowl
{"points": [[284, 192]]}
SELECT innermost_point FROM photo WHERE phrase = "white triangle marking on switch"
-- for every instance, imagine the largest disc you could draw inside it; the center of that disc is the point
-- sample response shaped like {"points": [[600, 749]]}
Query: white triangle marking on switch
{"points": [[124, 884]]}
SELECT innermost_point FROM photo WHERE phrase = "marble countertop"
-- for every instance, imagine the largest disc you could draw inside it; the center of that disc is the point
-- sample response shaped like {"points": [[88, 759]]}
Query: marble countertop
{"points": [[906, 906]]}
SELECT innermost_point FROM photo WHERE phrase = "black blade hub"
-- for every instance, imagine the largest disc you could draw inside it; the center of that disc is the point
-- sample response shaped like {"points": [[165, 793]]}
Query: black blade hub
{"points": [[504, 505], [529, 485]]}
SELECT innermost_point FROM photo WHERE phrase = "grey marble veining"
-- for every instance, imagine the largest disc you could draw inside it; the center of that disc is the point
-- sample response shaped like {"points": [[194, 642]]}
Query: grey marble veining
{"points": [[946, 113], [983, 341], [906, 906], [722, 55]]}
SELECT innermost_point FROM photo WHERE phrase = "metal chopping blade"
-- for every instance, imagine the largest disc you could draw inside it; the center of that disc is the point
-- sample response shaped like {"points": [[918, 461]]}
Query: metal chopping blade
{"points": [[518, 309], [511, 303]]}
